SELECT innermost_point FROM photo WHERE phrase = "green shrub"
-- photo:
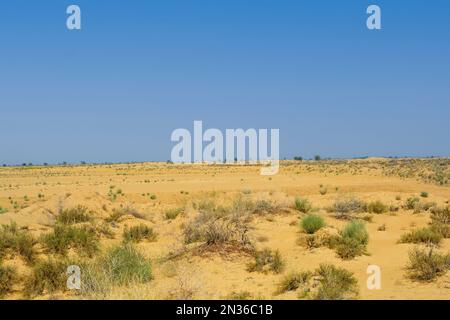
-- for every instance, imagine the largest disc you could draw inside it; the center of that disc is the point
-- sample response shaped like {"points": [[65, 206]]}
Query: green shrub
{"points": [[14, 240], [377, 207], [312, 223], [8, 276], [139, 233], [47, 276], [3, 210], [424, 194], [303, 205], [293, 281], [267, 260], [335, 284], [351, 241], [424, 235], [83, 239], [427, 266], [74, 215]]}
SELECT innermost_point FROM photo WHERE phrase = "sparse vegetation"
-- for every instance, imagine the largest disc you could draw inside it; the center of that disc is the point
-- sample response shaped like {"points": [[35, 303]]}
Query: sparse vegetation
{"points": [[16, 241], [345, 208], [377, 207], [139, 233], [173, 213], [47, 276], [294, 280], [266, 261], [8, 276]]}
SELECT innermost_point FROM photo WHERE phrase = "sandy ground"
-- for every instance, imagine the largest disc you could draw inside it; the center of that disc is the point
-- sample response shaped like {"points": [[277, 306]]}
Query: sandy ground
{"points": [[215, 275]]}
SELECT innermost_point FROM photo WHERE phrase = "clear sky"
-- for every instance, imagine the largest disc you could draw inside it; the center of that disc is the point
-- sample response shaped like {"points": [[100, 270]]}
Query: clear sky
{"points": [[115, 90]]}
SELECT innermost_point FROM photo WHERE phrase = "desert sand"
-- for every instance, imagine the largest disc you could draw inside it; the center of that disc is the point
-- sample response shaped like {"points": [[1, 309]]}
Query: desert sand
{"points": [[34, 196]]}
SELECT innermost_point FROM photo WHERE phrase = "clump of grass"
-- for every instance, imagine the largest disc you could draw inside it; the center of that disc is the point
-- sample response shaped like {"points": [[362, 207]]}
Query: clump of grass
{"points": [[138, 233], [303, 205], [312, 223], [382, 227], [427, 265], [173, 213], [125, 264], [266, 261], [323, 191], [351, 241], [294, 280], [424, 235], [377, 207], [14, 240], [345, 207], [8, 275], [3, 210], [335, 283], [121, 265], [424, 194], [265, 207], [73, 215], [124, 211], [47, 276], [83, 239]]}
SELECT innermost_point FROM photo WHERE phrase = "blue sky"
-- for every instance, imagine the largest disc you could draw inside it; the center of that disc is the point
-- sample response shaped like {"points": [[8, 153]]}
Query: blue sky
{"points": [[115, 90]]}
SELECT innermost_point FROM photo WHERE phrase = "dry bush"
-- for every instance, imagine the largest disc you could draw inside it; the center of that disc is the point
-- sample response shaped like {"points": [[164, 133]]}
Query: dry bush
{"points": [[424, 235], [427, 265], [124, 211], [8, 276], [294, 280], [377, 207], [266, 261], [345, 208], [47, 276], [440, 221], [335, 284]]}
